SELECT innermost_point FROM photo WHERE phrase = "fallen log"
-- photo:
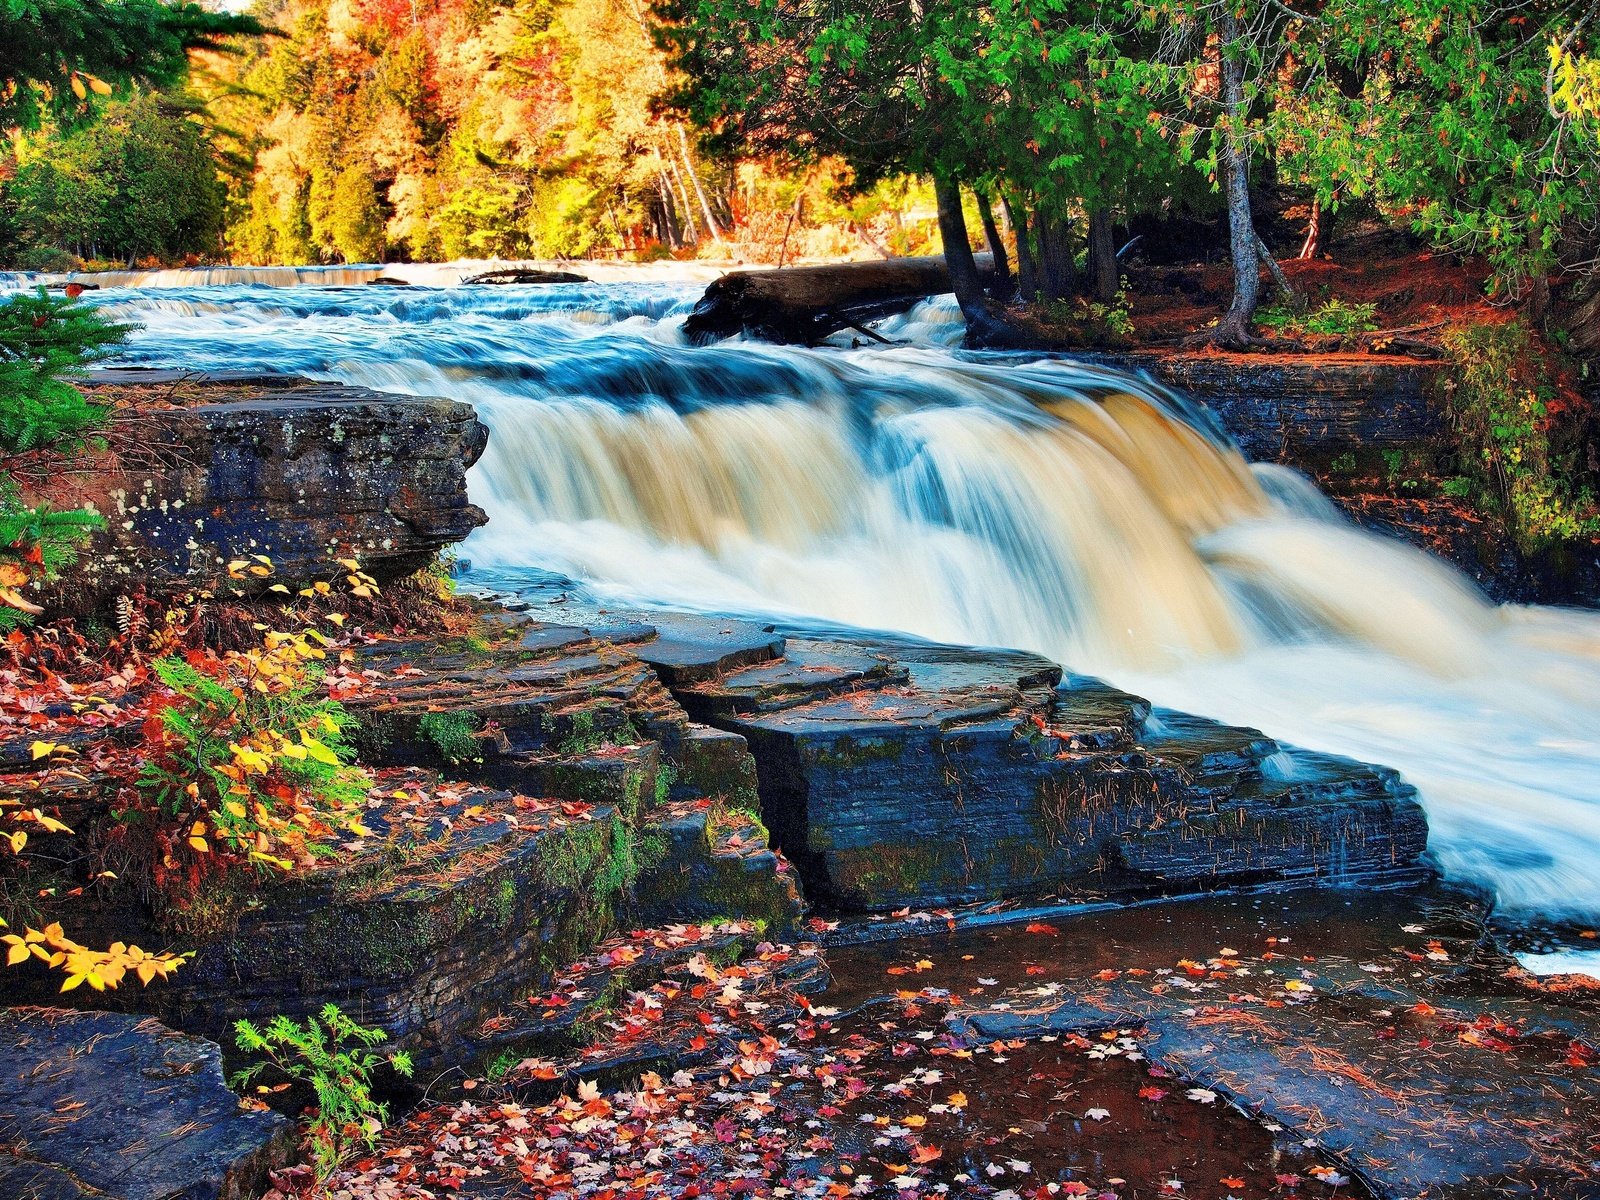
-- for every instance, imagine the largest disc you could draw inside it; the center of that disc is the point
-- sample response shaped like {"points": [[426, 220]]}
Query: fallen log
{"points": [[525, 275], [803, 305]]}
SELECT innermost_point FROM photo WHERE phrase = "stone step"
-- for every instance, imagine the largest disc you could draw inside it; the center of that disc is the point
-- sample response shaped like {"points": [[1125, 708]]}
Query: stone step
{"points": [[120, 1107], [688, 649], [715, 862], [455, 899], [806, 672], [1214, 759], [1093, 715]]}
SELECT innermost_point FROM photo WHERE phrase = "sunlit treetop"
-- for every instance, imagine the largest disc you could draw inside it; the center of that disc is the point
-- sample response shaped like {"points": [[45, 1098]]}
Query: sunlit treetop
{"points": [[57, 55]]}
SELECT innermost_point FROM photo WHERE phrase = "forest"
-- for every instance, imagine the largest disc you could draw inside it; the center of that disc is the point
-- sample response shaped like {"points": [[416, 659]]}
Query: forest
{"points": [[374, 130]]}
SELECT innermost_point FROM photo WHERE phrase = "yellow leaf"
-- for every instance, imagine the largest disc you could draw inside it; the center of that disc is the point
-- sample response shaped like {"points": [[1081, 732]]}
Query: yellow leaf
{"points": [[99, 86], [44, 750], [317, 750], [336, 618], [18, 840], [19, 953], [78, 90], [236, 809], [199, 845], [278, 587], [72, 982]]}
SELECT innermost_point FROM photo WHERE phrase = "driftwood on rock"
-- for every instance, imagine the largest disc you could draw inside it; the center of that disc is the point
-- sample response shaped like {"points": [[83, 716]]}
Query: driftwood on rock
{"points": [[525, 275], [803, 305]]}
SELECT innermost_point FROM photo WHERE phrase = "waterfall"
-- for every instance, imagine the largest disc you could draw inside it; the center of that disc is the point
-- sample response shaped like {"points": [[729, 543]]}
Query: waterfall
{"points": [[1073, 510]]}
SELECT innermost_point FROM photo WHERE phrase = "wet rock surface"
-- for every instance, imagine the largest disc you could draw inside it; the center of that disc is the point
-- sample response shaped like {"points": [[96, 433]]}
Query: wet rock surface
{"points": [[1292, 411], [894, 773], [1386, 1031], [121, 1107], [301, 472]]}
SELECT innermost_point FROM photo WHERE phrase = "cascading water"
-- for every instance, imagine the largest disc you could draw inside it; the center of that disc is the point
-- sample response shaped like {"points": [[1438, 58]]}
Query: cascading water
{"points": [[1057, 507]]}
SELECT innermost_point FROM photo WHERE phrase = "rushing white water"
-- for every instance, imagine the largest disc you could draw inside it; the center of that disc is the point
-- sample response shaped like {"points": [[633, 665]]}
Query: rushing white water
{"points": [[1056, 507]]}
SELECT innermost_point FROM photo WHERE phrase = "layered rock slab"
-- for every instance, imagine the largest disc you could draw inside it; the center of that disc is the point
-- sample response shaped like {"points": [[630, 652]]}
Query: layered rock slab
{"points": [[527, 779], [898, 774], [122, 1108], [298, 471]]}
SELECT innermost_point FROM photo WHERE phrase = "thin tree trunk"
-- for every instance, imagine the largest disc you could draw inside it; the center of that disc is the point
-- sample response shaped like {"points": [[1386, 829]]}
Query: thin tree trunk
{"points": [[997, 247], [699, 191], [1102, 255], [1027, 277], [1319, 229], [1234, 159], [1290, 296], [669, 222], [691, 231]]}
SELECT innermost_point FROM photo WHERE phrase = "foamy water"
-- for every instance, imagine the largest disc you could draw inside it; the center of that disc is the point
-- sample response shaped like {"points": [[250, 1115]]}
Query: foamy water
{"points": [[1066, 509]]}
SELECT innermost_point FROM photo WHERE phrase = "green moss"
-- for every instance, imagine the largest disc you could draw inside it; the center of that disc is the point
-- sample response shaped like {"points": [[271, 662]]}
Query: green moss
{"points": [[724, 818], [896, 871], [501, 1065], [856, 752], [453, 735], [665, 777]]}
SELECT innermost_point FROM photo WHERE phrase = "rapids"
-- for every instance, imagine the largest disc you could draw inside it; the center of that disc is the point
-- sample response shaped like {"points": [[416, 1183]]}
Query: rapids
{"points": [[995, 500]]}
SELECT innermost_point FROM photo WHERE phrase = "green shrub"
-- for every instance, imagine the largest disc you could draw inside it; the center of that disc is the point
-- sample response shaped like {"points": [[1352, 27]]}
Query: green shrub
{"points": [[335, 1056], [1524, 457], [1332, 318], [44, 340]]}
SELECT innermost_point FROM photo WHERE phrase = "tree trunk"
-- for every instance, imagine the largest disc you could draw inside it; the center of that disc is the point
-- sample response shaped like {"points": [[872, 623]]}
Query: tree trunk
{"points": [[984, 328], [1234, 159], [997, 248], [699, 191], [1103, 278], [674, 238], [1319, 230], [803, 305], [1058, 274], [1027, 276], [691, 231]]}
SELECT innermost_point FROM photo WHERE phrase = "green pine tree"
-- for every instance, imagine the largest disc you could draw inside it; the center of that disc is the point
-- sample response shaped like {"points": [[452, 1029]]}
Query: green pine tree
{"points": [[44, 341]]}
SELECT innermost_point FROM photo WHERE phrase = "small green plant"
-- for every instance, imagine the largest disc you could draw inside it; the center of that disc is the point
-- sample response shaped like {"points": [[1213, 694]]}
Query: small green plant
{"points": [[336, 1057], [251, 753], [453, 735], [1332, 318], [1113, 318]]}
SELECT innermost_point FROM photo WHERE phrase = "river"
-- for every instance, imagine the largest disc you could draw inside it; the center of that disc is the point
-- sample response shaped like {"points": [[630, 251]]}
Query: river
{"points": [[984, 499]]}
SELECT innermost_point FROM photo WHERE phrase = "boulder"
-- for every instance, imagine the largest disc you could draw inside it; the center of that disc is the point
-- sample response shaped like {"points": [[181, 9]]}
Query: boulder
{"points": [[301, 472]]}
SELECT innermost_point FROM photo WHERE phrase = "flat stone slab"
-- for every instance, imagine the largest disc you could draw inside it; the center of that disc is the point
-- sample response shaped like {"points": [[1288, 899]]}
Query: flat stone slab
{"points": [[121, 1107], [689, 648]]}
